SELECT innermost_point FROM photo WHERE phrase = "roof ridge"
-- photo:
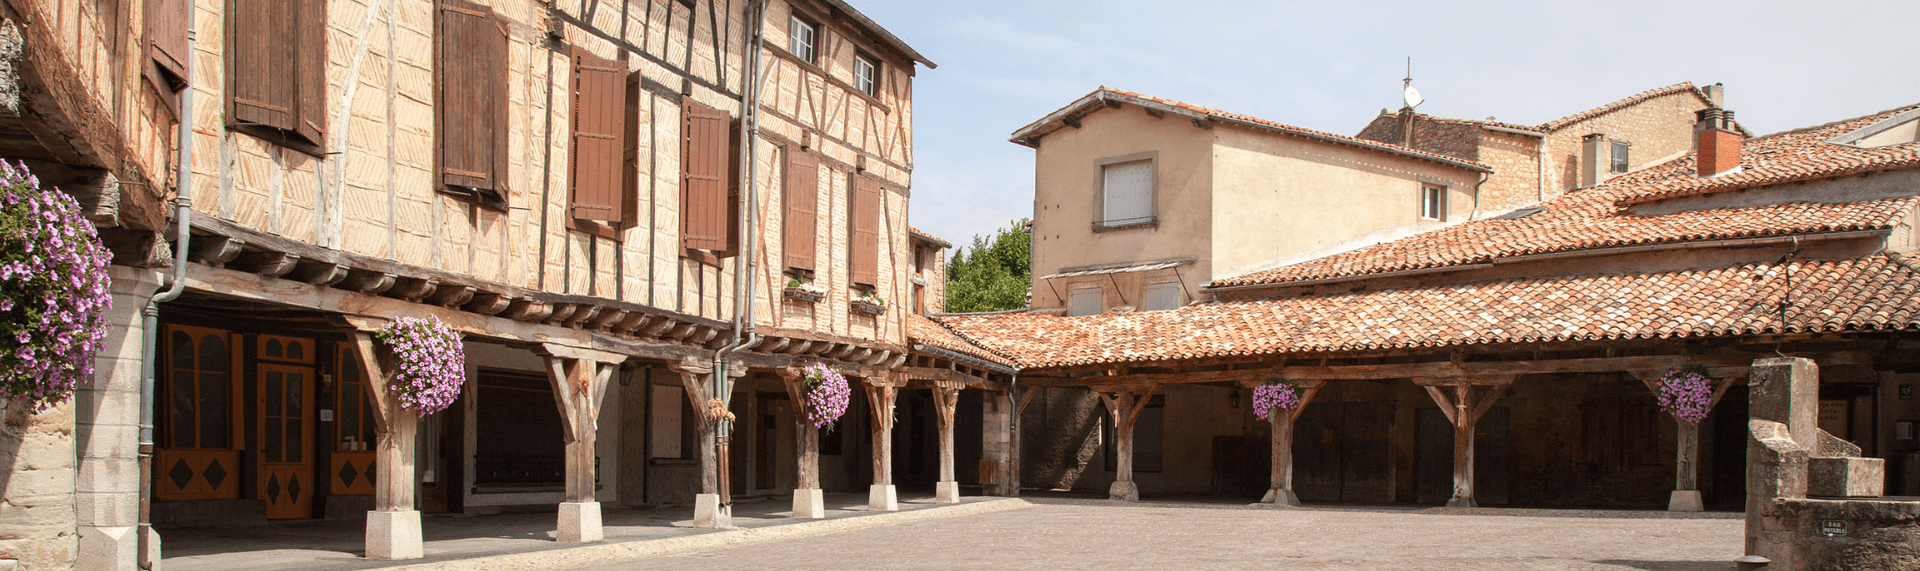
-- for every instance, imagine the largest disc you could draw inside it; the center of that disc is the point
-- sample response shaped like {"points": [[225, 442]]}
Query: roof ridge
{"points": [[1623, 102], [1830, 124], [969, 340]]}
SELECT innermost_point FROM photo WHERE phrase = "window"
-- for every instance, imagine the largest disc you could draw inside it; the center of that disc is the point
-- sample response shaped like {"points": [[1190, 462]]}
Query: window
{"points": [[802, 36], [1433, 202], [471, 103], [1620, 156], [707, 214], [199, 390], [1159, 296], [866, 75], [277, 72], [1086, 301], [919, 299], [802, 202], [1126, 193], [864, 248], [599, 131]]}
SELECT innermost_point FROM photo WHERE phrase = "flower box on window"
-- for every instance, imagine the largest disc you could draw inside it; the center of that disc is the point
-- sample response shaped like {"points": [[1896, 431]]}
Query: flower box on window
{"points": [[805, 291], [870, 304]]}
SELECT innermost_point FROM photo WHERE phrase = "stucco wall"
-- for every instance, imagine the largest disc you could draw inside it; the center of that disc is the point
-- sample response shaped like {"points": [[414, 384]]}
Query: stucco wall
{"points": [[1067, 182]]}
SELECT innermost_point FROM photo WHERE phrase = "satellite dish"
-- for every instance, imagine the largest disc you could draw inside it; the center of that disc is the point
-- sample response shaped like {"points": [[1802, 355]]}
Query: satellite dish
{"points": [[1412, 97]]}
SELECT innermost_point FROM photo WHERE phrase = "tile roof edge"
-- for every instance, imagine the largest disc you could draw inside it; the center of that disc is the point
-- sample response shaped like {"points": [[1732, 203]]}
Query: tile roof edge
{"points": [[1621, 103], [1007, 360], [1729, 184]]}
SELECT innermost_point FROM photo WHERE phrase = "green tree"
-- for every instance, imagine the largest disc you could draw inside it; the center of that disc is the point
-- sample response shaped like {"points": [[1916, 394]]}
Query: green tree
{"points": [[994, 274]]}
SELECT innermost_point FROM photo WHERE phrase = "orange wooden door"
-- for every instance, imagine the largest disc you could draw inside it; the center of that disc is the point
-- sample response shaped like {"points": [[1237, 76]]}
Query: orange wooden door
{"points": [[199, 454], [286, 440]]}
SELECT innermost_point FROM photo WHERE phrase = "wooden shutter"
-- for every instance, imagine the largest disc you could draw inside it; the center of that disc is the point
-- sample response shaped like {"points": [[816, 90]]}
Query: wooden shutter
{"points": [[166, 35], [263, 53], [703, 188], [865, 248], [471, 76], [599, 86], [630, 155], [802, 206], [310, 70]]}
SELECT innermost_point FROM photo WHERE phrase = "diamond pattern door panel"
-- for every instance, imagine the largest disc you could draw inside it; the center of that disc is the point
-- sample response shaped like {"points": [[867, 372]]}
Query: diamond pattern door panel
{"points": [[285, 440]]}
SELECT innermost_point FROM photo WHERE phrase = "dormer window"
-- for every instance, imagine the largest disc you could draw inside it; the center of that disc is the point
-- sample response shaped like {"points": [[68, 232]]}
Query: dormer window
{"points": [[1620, 156], [866, 75], [802, 36]]}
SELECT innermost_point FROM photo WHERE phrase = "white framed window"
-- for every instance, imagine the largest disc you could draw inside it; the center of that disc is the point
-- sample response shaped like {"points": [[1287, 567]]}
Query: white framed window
{"points": [[866, 75], [1086, 301], [1620, 149], [1126, 193], [1433, 202], [1159, 296], [802, 36]]}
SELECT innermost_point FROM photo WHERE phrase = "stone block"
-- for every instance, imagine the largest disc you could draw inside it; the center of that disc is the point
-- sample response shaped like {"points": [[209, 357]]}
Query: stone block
{"points": [[107, 509], [579, 523], [946, 492], [883, 497], [1281, 498], [1846, 477], [809, 503], [108, 548], [708, 513], [107, 441], [1685, 501], [394, 535], [108, 475], [1124, 491]]}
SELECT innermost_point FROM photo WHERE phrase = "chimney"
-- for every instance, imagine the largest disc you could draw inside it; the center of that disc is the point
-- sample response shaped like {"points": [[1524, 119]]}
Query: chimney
{"points": [[1593, 154], [1716, 95], [1716, 142]]}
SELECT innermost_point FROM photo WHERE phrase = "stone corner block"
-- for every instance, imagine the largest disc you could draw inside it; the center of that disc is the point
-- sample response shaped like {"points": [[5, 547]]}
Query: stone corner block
{"points": [[108, 548], [579, 523], [708, 513], [394, 535], [883, 497], [946, 492], [1846, 477], [1685, 501], [809, 503]]}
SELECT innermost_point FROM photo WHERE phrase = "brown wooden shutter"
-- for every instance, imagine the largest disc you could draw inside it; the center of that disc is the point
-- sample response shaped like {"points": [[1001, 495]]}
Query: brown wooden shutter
{"points": [[471, 110], [166, 35], [802, 207], [865, 248], [630, 163], [264, 90], [703, 190], [599, 86], [310, 70]]}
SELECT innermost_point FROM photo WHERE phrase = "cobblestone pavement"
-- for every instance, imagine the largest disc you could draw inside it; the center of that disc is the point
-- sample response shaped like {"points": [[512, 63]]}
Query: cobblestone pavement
{"points": [[1097, 535]]}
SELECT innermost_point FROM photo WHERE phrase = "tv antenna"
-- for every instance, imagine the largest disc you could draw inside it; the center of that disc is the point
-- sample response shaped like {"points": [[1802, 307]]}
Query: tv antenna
{"points": [[1409, 95]]}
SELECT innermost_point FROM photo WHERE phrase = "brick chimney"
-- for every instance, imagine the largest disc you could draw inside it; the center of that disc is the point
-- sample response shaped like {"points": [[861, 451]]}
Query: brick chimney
{"points": [[1716, 142]]}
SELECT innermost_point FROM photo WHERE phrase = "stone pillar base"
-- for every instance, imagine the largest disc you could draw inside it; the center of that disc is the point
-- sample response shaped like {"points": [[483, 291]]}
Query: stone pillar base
{"points": [[1281, 498], [579, 523], [946, 492], [108, 548], [1685, 501], [1124, 491], [149, 548], [1459, 502], [708, 513], [809, 503], [394, 535], [882, 497]]}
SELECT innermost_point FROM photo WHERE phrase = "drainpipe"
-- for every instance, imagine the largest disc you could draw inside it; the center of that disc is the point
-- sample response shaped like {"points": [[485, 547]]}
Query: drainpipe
{"points": [[1013, 439], [744, 269], [1484, 177], [150, 319]]}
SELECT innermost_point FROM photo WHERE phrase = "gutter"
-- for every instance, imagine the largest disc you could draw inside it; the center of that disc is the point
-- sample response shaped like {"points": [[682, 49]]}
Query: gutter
{"points": [[150, 317], [1506, 260]]}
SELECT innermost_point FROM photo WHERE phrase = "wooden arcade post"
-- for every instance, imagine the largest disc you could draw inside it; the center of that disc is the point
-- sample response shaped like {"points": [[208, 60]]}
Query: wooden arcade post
{"points": [[881, 393], [1125, 405], [808, 500], [1686, 461], [1281, 493], [1463, 412], [946, 396], [393, 527], [579, 381], [708, 509]]}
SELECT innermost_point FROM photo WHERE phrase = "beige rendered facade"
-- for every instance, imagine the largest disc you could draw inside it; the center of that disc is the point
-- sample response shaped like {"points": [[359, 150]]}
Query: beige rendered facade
{"points": [[1224, 194]]}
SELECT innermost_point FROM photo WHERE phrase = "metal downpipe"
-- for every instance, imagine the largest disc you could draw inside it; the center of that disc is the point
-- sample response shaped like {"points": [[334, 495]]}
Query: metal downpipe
{"points": [[744, 269]]}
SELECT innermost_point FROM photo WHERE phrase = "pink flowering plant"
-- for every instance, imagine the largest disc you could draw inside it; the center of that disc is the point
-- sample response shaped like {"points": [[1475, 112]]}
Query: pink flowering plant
{"points": [[1687, 394], [53, 292], [827, 395], [1274, 395], [429, 363]]}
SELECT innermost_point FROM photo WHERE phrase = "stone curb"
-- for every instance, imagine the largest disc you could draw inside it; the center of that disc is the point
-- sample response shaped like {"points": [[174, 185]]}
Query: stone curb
{"points": [[632, 550]]}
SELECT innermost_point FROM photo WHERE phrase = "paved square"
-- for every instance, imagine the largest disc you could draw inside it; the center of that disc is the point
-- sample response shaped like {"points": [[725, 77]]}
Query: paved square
{"points": [[1093, 535]]}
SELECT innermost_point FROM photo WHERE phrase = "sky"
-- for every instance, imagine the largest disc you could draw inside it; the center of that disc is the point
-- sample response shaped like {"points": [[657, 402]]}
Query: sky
{"points": [[1333, 65]]}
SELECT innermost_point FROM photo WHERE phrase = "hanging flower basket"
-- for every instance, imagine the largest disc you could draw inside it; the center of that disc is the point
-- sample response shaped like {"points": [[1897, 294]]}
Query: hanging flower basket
{"points": [[827, 395], [1687, 394], [1275, 395], [53, 292], [429, 364]]}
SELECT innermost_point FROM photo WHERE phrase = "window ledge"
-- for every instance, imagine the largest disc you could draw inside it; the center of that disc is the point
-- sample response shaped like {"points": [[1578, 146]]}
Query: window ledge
{"points": [[1125, 225]]}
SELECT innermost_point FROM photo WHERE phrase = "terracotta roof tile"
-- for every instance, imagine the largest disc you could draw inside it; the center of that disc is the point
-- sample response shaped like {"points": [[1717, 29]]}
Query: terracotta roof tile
{"points": [[924, 331], [1630, 100], [1871, 292], [923, 235], [1595, 218]]}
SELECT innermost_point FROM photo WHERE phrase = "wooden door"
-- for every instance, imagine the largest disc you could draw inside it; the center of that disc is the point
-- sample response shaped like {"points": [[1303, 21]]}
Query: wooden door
{"points": [[1316, 453], [199, 453], [1364, 468], [1490, 463], [286, 440], [1433, 460]]}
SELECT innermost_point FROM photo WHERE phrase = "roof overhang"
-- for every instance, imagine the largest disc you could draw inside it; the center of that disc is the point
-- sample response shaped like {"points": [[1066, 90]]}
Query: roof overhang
{"points": [[879, 33], [1117, 268]]}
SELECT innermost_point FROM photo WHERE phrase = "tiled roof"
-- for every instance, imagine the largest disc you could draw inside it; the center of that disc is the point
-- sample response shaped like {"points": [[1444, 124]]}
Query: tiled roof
{"points": [[1479, 123], [1631, 100], [1097, 99], [924, 331], [1872, 292], [1592, 218], [918, 233]]}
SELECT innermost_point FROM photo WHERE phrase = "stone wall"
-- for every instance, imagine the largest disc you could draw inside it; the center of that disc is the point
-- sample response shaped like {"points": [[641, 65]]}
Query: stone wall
{"points": [[37, 518], [1658, 129]]}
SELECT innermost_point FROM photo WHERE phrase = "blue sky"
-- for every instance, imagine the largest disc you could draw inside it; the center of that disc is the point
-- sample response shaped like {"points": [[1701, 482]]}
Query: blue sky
{"points": [[1334, 65]]}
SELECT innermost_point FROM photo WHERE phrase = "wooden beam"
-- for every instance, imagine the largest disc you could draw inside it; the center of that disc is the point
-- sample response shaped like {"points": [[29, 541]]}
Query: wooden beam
{"points": [[1442, 372]]}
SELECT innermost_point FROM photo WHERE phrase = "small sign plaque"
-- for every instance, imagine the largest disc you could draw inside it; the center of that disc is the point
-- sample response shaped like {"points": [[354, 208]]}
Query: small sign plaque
{"points": [[1833, 528], [1906, 391]]}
